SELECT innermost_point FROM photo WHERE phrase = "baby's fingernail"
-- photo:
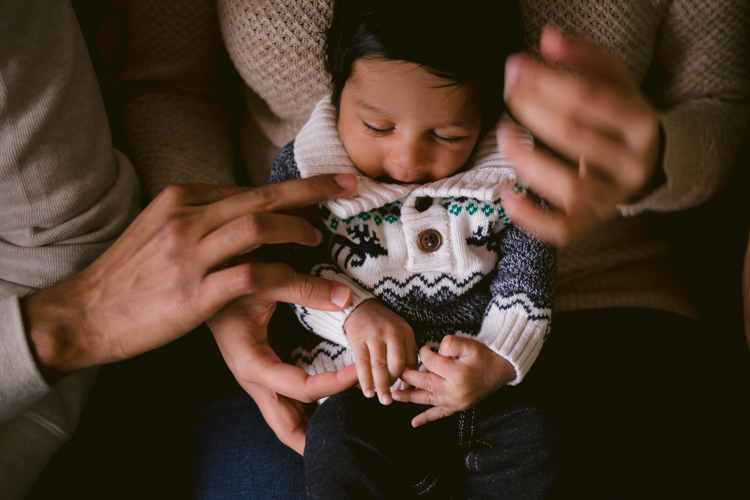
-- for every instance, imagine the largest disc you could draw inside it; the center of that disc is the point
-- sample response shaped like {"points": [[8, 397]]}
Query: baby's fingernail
{"points": [[511, 74], [386, 399], [346, 181], [340, 295], [369, 393], [396, 397]]}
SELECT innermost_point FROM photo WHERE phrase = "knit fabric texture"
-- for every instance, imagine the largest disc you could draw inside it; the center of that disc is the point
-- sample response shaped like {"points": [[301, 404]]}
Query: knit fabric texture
{"points": [[690, 57], [485, 279]]}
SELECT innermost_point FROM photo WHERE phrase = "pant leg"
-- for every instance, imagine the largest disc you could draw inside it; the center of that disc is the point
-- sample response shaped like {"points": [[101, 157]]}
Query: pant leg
{"points": [[507, 450], [359, 449], [239, 457]]}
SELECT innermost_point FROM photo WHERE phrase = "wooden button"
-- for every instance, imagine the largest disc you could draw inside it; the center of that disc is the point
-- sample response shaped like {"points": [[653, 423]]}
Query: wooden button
{"points": [[429, 240]]}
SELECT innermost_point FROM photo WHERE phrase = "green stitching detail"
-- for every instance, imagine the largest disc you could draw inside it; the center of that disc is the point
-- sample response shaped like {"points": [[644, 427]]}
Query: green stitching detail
{"points": [[378, 220], [390, 218], [348, 220], [471, 208], [487, 210], [334, 223], [364, 216], [455, 209]]}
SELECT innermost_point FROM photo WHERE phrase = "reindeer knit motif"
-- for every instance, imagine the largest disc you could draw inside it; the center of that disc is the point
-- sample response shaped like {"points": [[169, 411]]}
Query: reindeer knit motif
{"points": [[484, 279]]}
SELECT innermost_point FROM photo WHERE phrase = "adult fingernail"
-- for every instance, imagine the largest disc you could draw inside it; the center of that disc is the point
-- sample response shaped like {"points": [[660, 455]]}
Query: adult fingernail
{"points": [[385, 399], [340, 295], [511, 74], [369, 393], [346, 181], [396, 397]]}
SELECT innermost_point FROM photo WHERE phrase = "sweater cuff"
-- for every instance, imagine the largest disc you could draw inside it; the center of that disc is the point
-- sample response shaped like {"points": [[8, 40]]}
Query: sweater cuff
{"points": [[21, 382], [701, 139], [330, 324], [514, 329]]}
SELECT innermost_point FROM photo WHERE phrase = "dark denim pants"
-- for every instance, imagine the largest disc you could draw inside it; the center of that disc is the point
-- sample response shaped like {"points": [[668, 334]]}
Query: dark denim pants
{"points": [[359, 449], [239, 457]]}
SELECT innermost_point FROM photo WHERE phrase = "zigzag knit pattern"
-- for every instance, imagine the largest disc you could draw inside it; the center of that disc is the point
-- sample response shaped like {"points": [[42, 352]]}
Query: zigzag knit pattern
{"points": [[487, 280]]}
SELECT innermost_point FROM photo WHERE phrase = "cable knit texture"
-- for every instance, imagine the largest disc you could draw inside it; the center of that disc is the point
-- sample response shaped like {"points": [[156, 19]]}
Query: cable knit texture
{"points": [[691, 57]]}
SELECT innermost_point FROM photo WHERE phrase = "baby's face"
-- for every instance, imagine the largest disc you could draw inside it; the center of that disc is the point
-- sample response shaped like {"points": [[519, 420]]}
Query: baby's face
{"points": [[399, 122]]}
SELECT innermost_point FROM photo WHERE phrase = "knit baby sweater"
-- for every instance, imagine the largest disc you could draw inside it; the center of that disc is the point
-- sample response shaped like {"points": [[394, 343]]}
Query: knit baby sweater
{"points": [[443, 255]]}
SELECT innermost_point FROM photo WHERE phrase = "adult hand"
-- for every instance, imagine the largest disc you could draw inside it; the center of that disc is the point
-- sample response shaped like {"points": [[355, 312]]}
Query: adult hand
{"points": [[596, 117], [279, 389], [170, 271]]}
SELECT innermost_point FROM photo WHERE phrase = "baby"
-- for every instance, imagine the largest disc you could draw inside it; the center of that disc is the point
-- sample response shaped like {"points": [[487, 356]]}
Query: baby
{"points": [[432, 258]]}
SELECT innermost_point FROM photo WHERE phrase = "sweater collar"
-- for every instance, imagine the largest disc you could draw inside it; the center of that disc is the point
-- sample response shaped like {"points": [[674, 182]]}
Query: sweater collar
{"points": [[318, 150]]}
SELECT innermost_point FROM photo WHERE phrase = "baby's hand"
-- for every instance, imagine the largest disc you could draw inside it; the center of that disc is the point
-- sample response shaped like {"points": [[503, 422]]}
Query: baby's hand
{"points": [[383, 344], [462, 374]]}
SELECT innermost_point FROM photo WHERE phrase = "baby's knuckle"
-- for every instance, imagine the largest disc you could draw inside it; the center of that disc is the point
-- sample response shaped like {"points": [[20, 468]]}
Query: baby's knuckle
{"points": [[362, 361], [379, 364]]}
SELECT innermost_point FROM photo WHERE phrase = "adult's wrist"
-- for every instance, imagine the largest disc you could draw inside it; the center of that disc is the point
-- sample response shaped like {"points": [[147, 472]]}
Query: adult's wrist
{"points": [[55, 331]]}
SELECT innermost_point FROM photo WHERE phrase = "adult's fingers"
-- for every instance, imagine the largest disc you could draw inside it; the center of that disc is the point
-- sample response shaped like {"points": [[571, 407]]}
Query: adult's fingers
{"points": [[295, 383], [281, 197], [223, 286], [250, 231], [195, 194], [589, 101], [559, 183], [287, 417], [585, 56], [431, 415], [556, 228], [605, 151]]}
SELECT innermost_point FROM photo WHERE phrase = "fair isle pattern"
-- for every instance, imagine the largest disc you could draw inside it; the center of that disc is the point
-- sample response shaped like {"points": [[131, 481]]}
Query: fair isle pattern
{"points": [[487, 279]]}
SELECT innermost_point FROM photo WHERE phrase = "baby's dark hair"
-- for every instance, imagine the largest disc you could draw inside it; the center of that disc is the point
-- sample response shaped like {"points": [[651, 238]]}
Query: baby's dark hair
{"points": [[463, 42]]}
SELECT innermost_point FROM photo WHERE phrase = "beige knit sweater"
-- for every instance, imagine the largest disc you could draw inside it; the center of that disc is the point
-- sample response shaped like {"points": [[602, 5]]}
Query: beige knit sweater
{"points": [[695, 53]]}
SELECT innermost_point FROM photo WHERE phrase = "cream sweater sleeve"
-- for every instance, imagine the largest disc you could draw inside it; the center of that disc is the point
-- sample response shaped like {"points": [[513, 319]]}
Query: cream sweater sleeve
{"points": [[177, 86], [65, 195], [701, 62]]}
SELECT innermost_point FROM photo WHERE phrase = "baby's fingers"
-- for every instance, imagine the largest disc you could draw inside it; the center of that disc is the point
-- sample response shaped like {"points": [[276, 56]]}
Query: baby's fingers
{"points": [[412, 360], [364, 369], [381, 378], [431, 415], [420, 396]]}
